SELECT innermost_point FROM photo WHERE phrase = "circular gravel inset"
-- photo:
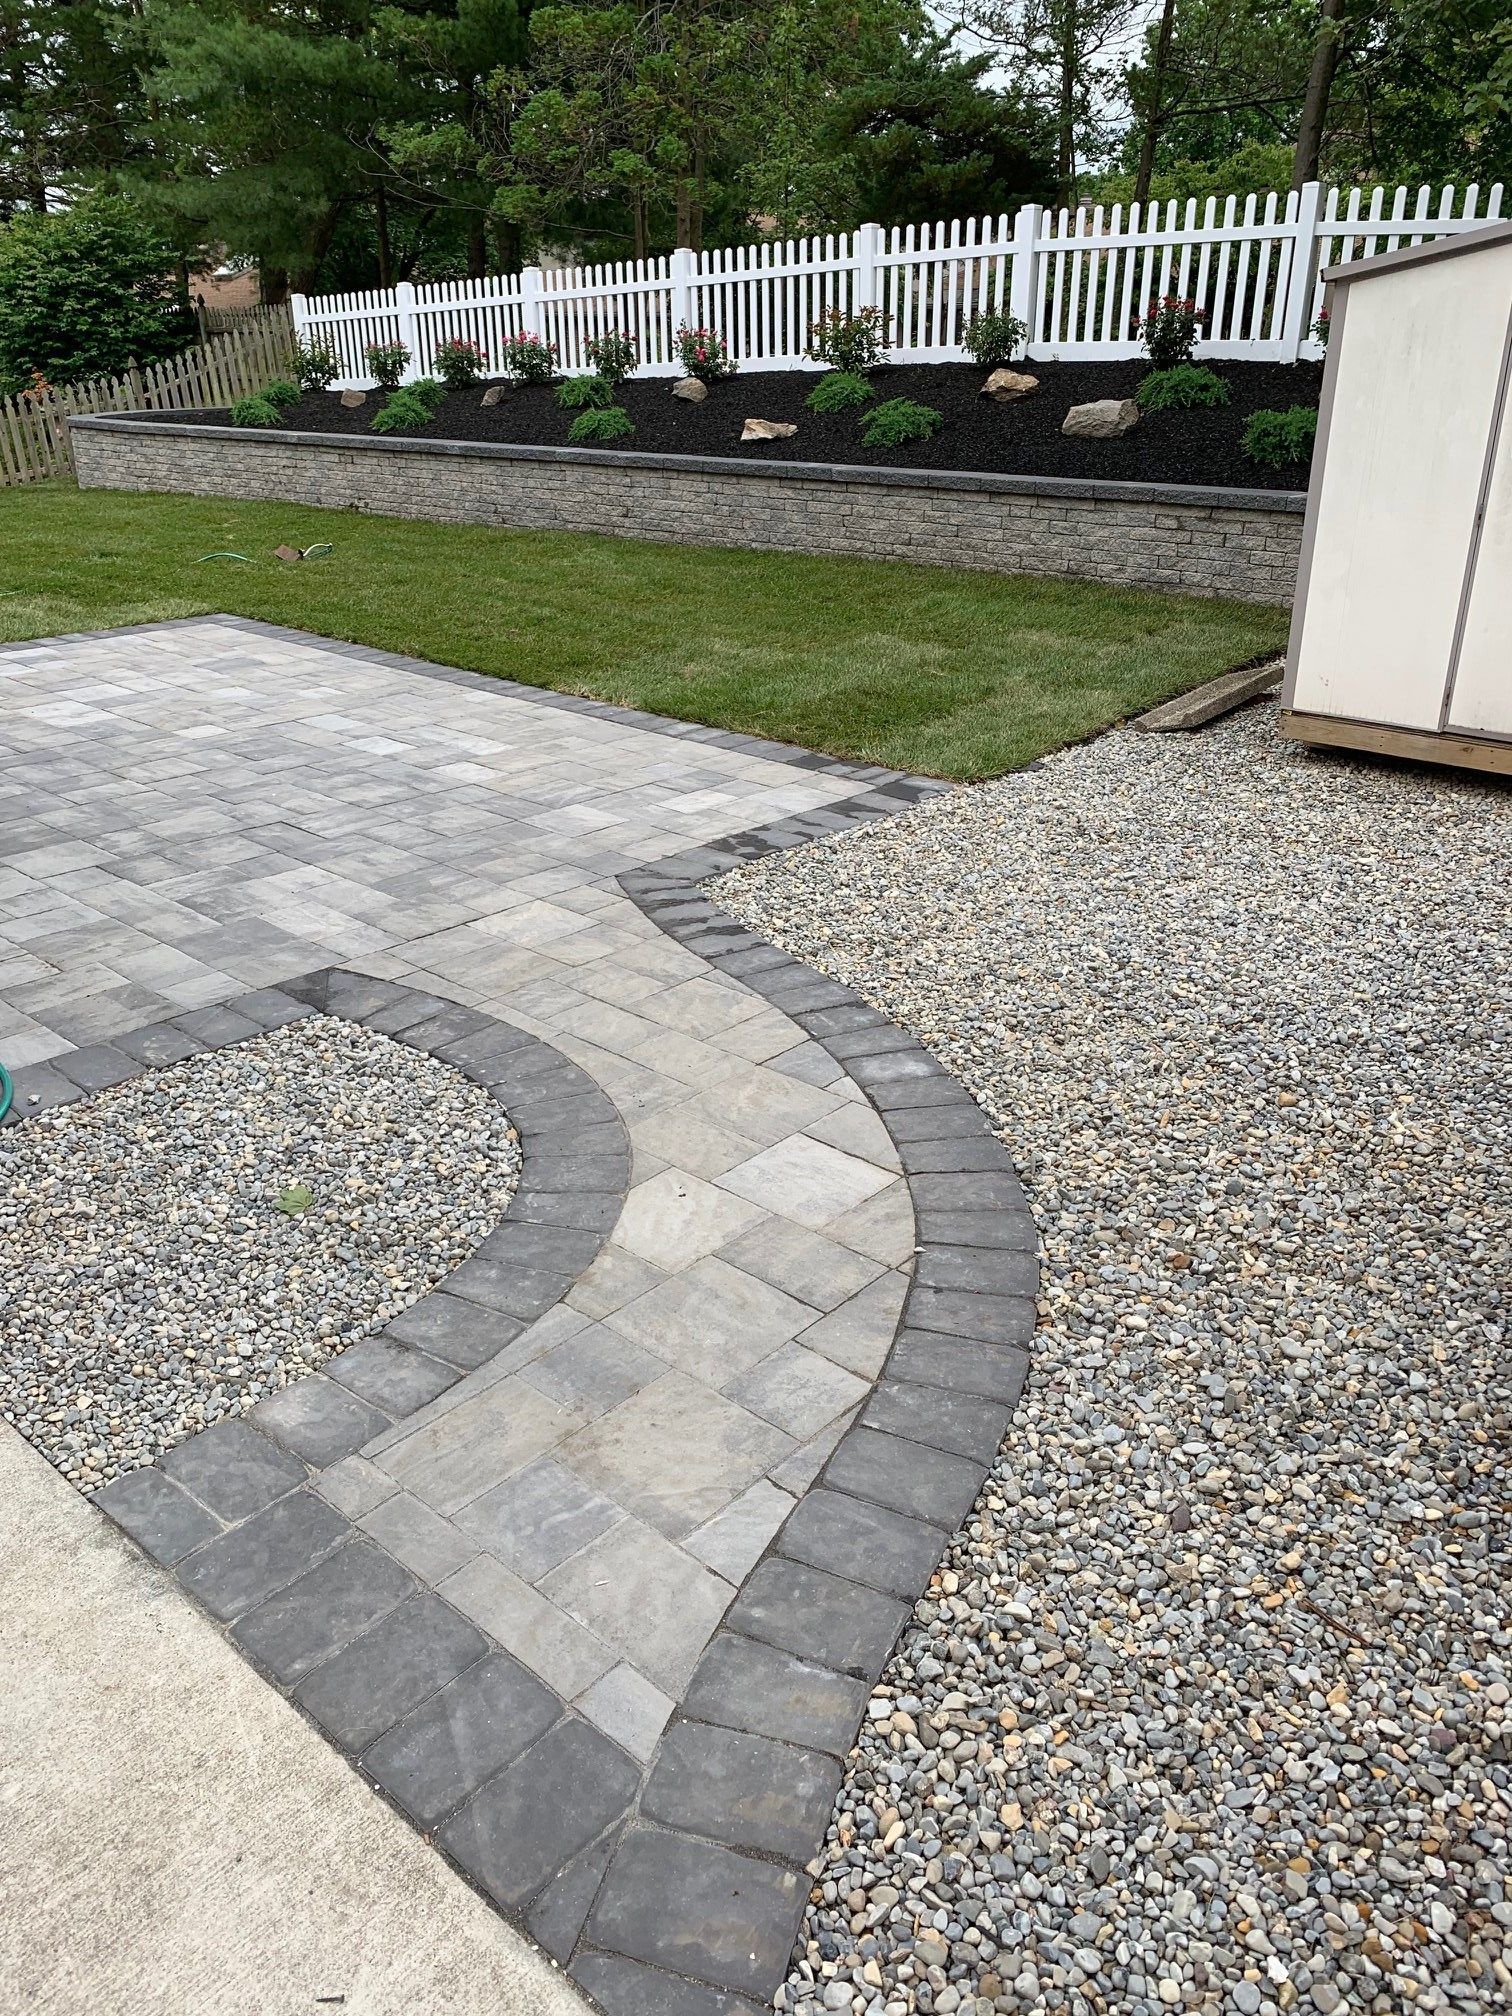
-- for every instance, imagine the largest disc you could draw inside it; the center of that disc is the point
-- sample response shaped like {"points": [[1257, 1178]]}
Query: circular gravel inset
{"points": [[1208, 1708], [177, 1247]]}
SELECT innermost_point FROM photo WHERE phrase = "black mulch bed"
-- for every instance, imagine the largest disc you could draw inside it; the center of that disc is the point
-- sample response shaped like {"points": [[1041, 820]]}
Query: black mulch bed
{"points": [[1023, 439]]}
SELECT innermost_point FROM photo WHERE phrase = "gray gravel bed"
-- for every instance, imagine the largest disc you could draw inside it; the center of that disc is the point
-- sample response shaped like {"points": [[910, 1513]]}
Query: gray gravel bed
{"points": [[150, 1283], [1208, 1708]]}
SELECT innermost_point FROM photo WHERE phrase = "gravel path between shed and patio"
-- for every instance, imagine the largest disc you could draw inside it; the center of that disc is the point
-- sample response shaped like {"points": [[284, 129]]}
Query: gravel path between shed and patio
{"points": [[151, 1279], [1207, 1708]]}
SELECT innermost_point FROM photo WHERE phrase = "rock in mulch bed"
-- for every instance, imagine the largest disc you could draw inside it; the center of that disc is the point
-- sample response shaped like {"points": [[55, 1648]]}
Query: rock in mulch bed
{"points": [[1208, 1708], [176, 1248]]}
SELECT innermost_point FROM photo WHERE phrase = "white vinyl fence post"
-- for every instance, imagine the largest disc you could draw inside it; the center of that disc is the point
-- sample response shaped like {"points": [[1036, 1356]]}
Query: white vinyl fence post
{"points": [[404, 302], [684, 265], [299, 310], [1026, 227], [532, 287], [868, 249], [1304, 273]]}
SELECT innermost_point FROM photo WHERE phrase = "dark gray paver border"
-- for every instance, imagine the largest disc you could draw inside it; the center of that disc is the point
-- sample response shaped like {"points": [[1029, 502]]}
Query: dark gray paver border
{"points": [[662, 1901]]}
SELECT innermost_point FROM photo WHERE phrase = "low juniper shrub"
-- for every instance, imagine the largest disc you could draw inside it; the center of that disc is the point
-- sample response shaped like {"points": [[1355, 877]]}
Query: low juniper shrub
{"points": [[528, 360], [611, 356], [588, 390], [839, 392], [282, 393], [386, 363], [704, 354], [1181, 385], [600, 423], [430, 392], [994, 338], [460, 362], [314, 364], [897, 421], [1168, 331], [1280, 438], [853, 344], [404, 409], [255, 413]]}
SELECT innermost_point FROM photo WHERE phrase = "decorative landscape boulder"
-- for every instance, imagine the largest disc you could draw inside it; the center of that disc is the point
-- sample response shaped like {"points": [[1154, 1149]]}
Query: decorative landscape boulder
{"points": [[768, 430], [690, 388], [493, 395], [1005, 385], [1102, 420], [354, 398]]}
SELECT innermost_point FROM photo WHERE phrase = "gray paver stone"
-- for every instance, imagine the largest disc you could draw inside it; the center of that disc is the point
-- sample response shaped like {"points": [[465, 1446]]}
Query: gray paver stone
{"points": [[735, 1919], [367, 1687], [390, 1375], [866, 1543], [742, 1683], [161, 1518], [818, 1616], [233, 1469], [528, 1822], [926, 1483], [318, 1420], [451, 1744], [242, 1568], [322, 1611], [747, 1791]]}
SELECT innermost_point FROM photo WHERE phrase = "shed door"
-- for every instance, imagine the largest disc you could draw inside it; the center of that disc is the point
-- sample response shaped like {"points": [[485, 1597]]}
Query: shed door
{"points": [[1392, 518], [1480, 701]]}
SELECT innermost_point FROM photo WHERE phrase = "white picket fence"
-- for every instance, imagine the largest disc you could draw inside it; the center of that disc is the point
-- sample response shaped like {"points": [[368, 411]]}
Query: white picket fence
{"points": [[1076, 279]]}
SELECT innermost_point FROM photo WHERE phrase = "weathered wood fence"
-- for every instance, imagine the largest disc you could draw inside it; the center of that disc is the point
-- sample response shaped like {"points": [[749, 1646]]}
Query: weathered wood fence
{"points": [[34, 439]]}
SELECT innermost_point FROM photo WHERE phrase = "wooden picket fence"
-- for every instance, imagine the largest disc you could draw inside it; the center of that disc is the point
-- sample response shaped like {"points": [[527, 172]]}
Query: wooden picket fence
{"points": [[34, 438]]}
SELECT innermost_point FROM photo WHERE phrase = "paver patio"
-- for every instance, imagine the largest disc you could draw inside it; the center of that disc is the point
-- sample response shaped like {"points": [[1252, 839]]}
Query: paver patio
{"points": [[590, 1557]]}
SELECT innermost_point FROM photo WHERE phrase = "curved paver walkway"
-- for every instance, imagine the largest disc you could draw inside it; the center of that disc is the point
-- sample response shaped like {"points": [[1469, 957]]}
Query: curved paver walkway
{"points": [[591, 1559]]}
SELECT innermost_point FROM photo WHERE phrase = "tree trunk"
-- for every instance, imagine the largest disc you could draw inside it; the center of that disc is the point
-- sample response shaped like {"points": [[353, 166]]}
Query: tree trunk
{"points": [[1152, 121], [684, 210], [1319, 85], [638, 223], [385, 248], [1065, 161], [272, 285], [320, 244]]}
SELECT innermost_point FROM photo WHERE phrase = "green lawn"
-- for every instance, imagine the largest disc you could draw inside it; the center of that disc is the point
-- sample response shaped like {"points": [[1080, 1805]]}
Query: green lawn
{"points": [[962, 675]]}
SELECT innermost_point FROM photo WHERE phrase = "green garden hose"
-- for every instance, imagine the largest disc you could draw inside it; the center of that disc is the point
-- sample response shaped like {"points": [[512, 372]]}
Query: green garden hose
{"points": [[6, 1091]]}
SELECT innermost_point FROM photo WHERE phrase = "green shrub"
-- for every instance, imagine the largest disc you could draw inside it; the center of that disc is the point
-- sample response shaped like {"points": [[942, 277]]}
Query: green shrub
{"points": [[839, 392], [402, 411], [281, 393], [1181, 385], [611, 356], [994, 338], [315, 364], [429, 391], [602, 423], [1279, 439], [83, 293], [529, 361], [460, 363], [255, 413], [386, 362], [704, 354], [588, 390], [850, 343], [899, 420], [1168, 331]]}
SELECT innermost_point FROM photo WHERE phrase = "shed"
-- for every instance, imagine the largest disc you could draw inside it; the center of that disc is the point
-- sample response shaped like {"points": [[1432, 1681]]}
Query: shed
{"points": [[1401, 637]]}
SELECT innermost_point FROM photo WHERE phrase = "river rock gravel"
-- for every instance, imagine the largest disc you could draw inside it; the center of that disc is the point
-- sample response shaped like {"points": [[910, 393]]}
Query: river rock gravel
{"points": [[160, 1267], [1208, 1706]]}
